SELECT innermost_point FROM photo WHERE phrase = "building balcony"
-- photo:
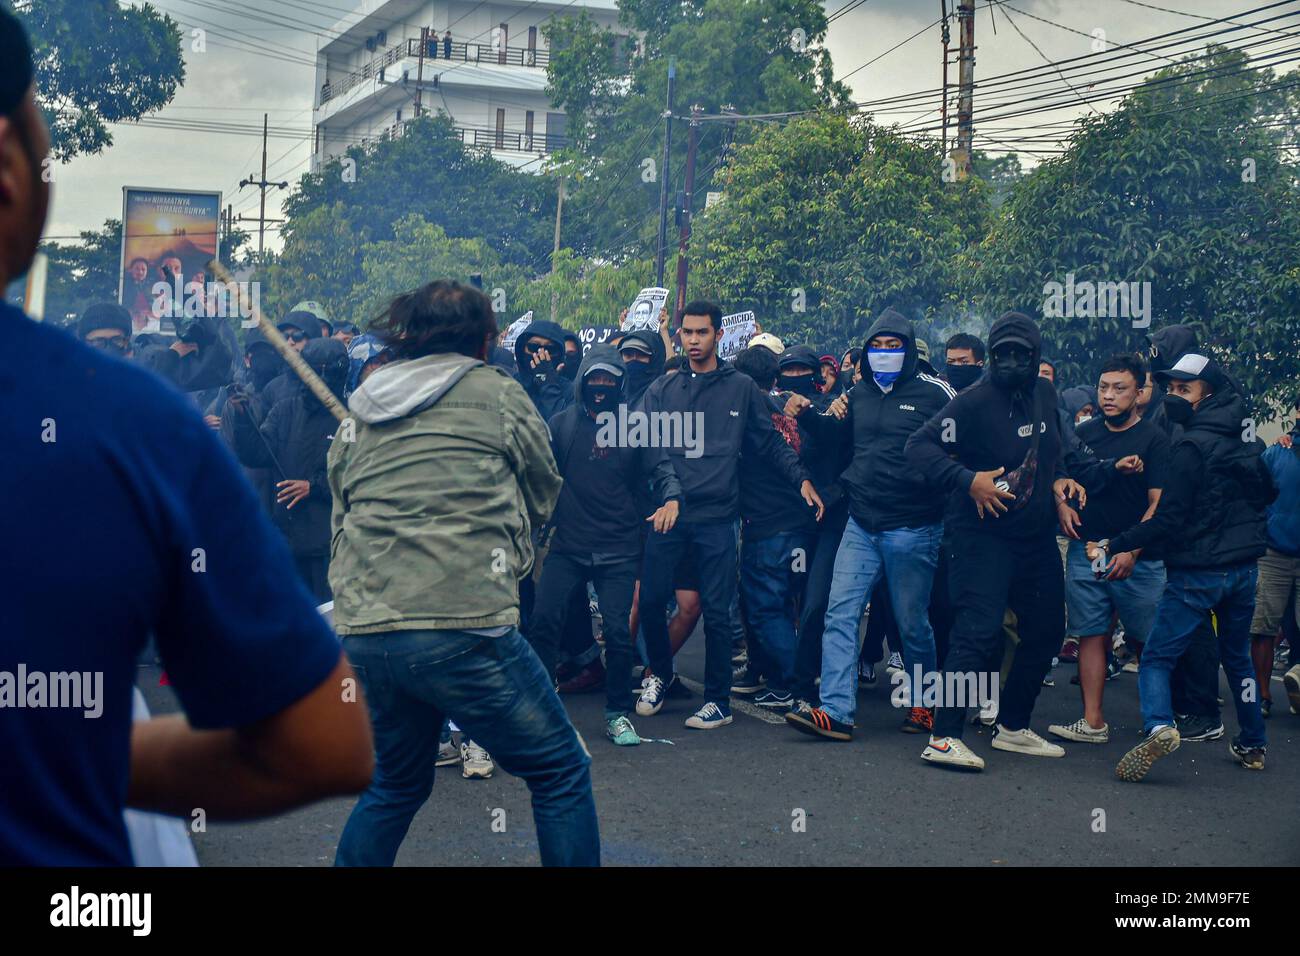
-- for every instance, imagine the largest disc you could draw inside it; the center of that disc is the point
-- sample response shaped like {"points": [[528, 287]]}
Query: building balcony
{"points": [[485, 138]]}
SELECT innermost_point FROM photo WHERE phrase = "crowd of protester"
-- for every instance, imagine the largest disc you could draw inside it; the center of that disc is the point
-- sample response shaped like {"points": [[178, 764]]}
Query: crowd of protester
{"points": [[494, 527]]}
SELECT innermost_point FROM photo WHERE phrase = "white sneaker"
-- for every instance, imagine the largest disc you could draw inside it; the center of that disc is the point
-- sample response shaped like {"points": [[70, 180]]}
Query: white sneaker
{"points": [[651, 700], [1131, 667], [1025, 742], [447, 754], [1081, 731], [709, 717], [474, 761], [951, 752], [895, 664], [1291, 681]]}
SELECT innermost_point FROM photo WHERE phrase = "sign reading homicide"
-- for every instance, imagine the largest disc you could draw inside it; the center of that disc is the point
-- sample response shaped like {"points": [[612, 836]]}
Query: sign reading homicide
{"points": [[737, 330]]}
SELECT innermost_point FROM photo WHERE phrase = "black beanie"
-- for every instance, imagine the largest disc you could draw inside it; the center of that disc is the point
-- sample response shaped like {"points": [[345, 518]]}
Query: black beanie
{"points": [[104, 315], [16, 71]]}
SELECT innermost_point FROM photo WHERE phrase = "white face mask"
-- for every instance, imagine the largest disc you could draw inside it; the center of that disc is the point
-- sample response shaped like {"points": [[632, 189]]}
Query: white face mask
{"points": [[886, 360], [1085, 418]]}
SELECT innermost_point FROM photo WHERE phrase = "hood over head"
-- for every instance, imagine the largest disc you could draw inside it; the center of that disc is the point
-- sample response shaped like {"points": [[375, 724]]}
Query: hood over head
{"points": [[600, 358], [1170, 344], [1017, 327], [892, 322], [656, 343], [800, 355], [548, 330], [328, 358], [1073, 399], [306, 321], [403, 388]]}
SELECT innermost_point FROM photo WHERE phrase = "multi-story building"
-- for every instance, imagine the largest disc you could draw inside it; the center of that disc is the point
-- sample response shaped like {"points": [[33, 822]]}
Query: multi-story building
{"points": [[483, 63]]}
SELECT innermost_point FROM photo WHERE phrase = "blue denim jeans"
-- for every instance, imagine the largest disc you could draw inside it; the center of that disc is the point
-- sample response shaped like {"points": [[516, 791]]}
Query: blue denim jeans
{"points": [[498, 693], [907, 558], [1189, 598], [773, 572]]}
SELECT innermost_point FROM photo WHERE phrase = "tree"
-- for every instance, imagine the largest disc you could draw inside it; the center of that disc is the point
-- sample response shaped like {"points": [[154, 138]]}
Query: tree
{"points": [[98, 63], [84, 273], [828, 220], [1186, 186], [753, 56]]}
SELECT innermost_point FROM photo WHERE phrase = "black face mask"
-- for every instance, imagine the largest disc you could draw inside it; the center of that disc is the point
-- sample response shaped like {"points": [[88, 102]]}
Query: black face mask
{"points": [[264, 365], [638, 376], [570, 368], [1120, 419], [846, 379], [1014, 372], [1178, 409], [599, 398], [799, 384], [962, 377]]}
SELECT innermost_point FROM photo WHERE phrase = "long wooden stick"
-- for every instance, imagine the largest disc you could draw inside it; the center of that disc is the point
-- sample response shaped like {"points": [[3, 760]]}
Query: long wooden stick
{"points": [[287, 351]]}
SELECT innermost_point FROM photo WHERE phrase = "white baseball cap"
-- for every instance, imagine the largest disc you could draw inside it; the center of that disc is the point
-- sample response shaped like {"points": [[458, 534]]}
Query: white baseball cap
{"points": [[769, 342]]}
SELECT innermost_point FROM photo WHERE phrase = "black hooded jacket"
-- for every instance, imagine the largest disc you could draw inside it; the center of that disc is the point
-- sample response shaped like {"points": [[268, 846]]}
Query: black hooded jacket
{"points": [[639, 381], [734, 417], [1168, 345], [1212, 511], [550, 391], [609, 490], [885, 491], [987, 427], [292, 443]]}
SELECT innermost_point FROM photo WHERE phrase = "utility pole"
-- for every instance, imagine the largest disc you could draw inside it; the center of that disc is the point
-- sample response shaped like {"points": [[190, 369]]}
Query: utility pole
{"points": [[943, 104], [662, 248], [262, 184], [966, 78], [419, 72], [555, 253], [692, 146]]}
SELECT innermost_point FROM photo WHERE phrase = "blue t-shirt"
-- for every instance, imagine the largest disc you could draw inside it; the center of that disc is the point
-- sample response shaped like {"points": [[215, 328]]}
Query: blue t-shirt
{"points": [[121, 515]]}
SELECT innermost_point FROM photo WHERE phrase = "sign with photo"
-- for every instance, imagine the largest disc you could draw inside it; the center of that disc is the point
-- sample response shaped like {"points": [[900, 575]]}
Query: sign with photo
{"points": [[168, 236], [644, 311], [515, 327]]}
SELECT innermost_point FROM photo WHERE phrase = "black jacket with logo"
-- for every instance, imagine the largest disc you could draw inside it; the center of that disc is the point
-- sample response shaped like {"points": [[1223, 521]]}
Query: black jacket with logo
{"points": [[735, 418], [884, 491]]}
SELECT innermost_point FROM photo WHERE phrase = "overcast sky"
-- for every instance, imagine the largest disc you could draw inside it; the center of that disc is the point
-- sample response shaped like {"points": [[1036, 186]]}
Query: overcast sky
{"points": [[238, 78]]}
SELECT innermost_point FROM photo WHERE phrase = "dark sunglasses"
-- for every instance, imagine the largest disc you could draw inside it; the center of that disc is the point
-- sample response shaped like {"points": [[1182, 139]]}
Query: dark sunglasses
{"points": [[296, 336], [115, 342]]}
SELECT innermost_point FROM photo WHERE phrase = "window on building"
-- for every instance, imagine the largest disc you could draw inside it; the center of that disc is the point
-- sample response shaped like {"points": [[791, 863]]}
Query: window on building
{"points": [[528, 131], [555, 130], [501, 129], [503, 40]]}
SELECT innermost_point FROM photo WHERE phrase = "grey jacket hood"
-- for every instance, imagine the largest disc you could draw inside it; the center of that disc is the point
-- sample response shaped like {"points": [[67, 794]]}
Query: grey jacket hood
{"points": [[608, 359], [399, 389]]}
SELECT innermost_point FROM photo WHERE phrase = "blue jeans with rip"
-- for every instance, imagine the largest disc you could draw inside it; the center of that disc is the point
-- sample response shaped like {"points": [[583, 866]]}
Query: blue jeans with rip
{"points": [[907, 558], [1185, 606], [498, 693]]}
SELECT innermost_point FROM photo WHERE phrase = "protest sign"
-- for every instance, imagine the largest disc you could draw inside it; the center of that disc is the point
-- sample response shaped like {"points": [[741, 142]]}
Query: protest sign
{"points": [[517, 326], [644, 311], [737, 330]]}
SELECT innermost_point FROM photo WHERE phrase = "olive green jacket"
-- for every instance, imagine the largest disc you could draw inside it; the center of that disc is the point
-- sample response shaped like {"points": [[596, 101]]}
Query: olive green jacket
{"points": [[438, 484]]}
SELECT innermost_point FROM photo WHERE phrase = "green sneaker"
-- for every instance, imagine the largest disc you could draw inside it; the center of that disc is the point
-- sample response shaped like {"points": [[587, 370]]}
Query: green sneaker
{"points": [[620, 731]]}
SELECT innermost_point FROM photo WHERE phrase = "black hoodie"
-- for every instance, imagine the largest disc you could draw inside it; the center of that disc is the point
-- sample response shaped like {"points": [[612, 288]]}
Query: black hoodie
{"points": [[638, 381], [1168, 345], [885, 492], [1212, 511], [293, 442], [733, 416], [987, 427], [606, 495], [551, 392]]}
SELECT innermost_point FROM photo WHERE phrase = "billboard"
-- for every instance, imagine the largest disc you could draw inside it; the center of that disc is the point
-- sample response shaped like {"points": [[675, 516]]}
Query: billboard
{"points": [[168, 236]]}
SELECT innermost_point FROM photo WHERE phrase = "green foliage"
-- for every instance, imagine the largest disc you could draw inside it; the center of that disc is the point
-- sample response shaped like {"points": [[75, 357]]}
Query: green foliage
{"points": [[98, 63], [736, 53], [842, 218], [1160, 191]]}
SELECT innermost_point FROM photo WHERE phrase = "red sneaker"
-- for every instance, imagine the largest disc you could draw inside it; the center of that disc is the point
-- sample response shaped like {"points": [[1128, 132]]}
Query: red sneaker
{"points": [[919, 720]]}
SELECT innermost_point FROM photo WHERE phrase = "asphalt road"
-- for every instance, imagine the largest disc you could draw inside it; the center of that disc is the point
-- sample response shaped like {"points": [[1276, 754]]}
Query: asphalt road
{"points": [[732, 797]]}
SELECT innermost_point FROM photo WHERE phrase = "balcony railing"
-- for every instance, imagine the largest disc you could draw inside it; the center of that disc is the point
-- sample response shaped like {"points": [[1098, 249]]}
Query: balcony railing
{"points": [[511, 141], [462, 52]]}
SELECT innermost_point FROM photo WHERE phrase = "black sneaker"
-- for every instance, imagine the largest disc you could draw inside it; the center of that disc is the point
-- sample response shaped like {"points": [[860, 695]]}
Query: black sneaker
{"points": [[1195, 728], [1252, 758], [774, 700], [1113, 669], [745, 680], [818, 723], [677, 690]]}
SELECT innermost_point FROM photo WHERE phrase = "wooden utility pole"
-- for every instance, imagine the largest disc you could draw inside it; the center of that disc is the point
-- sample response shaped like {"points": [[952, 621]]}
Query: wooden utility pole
{"points": [[262, 184], [661, 249], [943, 104], [684, 238], [966, 93]]}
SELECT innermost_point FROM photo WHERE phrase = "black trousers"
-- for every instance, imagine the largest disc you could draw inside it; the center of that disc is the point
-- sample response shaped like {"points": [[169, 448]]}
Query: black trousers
{"points": [[562, 576], [314, 569], [816, 598], [986, 575], [1194, 685]]}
